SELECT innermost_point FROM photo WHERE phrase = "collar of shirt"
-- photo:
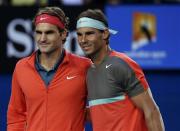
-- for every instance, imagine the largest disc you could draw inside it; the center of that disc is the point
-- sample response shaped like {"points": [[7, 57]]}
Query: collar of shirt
{"points": [[47, 76], [39, 67]]}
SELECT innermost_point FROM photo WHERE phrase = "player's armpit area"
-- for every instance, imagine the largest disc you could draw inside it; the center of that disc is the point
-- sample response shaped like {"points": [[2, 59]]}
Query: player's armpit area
{"points": [[88, 117]]}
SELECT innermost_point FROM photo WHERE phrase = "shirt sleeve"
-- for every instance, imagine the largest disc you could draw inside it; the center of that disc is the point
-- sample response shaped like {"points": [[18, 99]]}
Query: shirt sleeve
{"points": [[16, 114], [130, 77]]}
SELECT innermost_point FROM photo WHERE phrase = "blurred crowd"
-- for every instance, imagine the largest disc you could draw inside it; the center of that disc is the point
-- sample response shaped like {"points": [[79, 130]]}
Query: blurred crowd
{"points": [[82, 2]]}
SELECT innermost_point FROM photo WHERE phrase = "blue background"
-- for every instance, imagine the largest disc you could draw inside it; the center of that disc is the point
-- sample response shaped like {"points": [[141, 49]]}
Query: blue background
{"points": [[167, 28]]}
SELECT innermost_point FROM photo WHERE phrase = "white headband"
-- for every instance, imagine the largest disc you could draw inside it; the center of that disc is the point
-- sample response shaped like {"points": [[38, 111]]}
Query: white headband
{"points": [[88, 22]]}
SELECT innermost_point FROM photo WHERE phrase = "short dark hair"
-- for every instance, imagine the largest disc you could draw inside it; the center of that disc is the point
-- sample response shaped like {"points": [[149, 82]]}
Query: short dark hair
{"points": [[96, 14], [54, 11]]}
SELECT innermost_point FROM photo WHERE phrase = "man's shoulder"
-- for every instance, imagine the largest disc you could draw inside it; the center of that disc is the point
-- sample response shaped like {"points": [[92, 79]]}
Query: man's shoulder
{"points": [[124, 57], [124, 60], [79, 59], [119, 55], [23, 61]]}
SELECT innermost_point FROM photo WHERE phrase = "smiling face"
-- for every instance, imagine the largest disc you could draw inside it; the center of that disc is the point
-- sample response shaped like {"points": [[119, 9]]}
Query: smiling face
{"points": [[48, 38], [91, 40]]}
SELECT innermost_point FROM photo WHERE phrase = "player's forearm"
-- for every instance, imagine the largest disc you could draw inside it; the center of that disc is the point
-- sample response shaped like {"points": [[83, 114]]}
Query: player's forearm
{"points": [[154, 121]]}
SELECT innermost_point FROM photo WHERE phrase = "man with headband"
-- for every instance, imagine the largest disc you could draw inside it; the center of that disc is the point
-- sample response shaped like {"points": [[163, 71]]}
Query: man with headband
{"points": [[119, 96], [49, 87]]}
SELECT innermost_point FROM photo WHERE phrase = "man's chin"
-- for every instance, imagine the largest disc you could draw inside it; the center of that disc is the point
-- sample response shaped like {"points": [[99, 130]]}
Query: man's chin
{"points": [[45, 51], [87, 53]]}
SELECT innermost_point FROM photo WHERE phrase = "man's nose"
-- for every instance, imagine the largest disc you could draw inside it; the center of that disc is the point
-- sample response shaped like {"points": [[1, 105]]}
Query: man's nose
{"points": [[43, 37], [84, 39]]}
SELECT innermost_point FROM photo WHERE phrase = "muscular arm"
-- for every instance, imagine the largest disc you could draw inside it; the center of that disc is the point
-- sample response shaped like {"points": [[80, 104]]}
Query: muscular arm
{"points": [[153, 118]]}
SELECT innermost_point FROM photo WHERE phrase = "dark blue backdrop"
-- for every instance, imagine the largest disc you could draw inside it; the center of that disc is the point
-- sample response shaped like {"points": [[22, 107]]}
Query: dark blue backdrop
{"points": [[164, 84], [155, 54]]}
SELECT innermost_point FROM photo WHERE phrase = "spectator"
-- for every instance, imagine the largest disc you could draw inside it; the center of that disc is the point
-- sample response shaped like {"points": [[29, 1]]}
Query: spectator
{"points": [[28, 2]]}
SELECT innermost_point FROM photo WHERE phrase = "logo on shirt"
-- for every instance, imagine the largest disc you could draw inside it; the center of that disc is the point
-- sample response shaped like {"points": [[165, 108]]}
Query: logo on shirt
{"points": [[70, 77], [107, 66]]}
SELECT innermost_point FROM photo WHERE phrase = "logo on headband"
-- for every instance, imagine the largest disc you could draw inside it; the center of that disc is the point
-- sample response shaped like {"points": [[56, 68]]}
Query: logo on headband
{"points": [[81, 21], [43, 18], [89, 22]]}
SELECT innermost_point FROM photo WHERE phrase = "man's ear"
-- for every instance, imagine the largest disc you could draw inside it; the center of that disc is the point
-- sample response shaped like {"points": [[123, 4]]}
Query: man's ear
{"points": [[64, 34], [106, 34]]}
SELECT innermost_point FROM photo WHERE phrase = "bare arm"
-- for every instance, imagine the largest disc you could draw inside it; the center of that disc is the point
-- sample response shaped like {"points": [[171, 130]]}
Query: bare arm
{"points": [[153, 117]]}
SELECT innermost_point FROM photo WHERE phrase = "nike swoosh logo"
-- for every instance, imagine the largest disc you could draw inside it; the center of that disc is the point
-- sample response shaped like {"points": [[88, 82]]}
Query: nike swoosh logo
{"points": [[43, 18], [70, 77], [107, 66]]}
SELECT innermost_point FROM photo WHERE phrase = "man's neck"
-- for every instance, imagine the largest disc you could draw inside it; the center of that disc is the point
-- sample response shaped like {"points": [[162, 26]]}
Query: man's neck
{"points": [[48, 61], [99, 56]]}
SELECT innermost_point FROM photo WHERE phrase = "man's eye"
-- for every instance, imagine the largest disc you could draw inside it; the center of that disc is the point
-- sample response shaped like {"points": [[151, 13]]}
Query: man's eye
{"points": [[90, 33], [37, 32], [78, 34]]}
